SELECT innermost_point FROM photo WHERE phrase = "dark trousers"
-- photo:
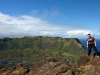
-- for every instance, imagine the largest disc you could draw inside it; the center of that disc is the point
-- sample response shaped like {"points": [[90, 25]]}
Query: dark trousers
{"points": [[90, 46]]}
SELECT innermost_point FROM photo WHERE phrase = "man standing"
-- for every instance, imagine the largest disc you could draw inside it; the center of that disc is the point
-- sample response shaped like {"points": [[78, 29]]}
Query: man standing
{"points": [[91, 43]]}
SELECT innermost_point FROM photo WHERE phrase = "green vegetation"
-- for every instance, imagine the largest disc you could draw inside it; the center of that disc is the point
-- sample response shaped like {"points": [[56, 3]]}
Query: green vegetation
{"points": [[31, 50]]}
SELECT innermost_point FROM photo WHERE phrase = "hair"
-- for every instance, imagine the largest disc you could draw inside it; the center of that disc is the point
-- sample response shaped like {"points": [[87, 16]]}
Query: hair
{"points": [[89, 34]]}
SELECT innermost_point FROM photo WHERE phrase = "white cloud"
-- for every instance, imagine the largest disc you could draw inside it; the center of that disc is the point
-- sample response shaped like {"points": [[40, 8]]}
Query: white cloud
{"points": [[79, 32], [24, 25]]}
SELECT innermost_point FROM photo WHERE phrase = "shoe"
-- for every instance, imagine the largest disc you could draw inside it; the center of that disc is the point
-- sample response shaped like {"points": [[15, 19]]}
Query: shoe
{"points": [[98, 56], [92, 57]]}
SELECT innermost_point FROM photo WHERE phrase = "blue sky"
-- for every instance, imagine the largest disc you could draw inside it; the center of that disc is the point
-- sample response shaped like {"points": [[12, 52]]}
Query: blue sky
{"points": [[64, 18]]}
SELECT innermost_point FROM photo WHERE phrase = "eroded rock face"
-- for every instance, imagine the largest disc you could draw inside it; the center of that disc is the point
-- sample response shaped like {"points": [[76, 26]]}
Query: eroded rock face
{"points": [[69, 72], [49, 66], [83, 61], [91, 70], [16, 70], [88, 65], [92, 67]]}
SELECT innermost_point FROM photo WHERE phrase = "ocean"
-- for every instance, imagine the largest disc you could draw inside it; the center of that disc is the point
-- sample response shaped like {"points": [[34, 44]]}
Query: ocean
{"points": [[84, 43]]}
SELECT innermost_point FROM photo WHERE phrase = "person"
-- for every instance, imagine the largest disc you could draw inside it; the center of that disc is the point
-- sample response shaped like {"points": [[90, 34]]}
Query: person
{"points": [[91, 43]]}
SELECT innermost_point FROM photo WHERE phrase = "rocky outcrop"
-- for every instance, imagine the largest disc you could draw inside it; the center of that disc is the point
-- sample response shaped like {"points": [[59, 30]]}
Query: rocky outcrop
{"points": [[49, 66], [15, 70], [89, 65]]}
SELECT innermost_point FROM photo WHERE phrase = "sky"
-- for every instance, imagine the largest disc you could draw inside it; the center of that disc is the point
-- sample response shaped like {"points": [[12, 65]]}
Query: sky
{"points": [[61, 18]]}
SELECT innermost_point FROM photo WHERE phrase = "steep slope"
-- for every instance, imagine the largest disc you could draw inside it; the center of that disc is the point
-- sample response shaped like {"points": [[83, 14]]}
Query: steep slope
{"points": [[31, 50], [39, 42]]}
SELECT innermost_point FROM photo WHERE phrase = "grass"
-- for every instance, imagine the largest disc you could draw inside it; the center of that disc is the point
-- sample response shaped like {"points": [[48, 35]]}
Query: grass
{"points": [[38, 48]]}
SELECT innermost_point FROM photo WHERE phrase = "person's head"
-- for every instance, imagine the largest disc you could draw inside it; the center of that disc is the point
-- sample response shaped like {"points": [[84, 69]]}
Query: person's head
{"points": [[89, 35]]}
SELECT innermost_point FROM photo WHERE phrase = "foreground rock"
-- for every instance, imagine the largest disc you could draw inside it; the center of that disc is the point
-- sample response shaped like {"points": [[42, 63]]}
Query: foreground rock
{"points": [[89, 65], [16, 70], [49, 66]]}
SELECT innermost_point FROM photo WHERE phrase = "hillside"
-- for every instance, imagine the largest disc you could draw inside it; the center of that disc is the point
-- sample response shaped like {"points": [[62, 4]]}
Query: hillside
{"points": [[39, 42], [31, 50]]}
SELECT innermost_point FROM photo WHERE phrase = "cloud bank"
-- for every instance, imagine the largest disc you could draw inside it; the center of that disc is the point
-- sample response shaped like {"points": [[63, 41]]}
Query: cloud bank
{"points": [[24, 25]]}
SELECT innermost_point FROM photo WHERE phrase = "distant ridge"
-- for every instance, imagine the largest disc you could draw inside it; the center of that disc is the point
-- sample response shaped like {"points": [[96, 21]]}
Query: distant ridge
{"points": [[31, 50]]}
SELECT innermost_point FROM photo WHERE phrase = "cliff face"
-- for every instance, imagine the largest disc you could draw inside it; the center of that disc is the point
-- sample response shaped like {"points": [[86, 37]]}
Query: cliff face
{"points": [[39, 42], [31, 50]]}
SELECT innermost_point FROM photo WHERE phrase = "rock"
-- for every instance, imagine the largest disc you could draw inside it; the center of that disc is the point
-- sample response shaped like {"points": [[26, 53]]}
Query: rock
{"points": [[24, 71], [83, 61], [92, 67], [92, 70], [59, 69], [95, 61], [69, 72], [49, 66]]}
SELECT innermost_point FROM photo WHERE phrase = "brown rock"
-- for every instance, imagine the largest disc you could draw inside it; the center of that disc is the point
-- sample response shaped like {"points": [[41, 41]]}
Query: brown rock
{"points": [[92, 70], [69, 72], [50, 66], [83, 61]]}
